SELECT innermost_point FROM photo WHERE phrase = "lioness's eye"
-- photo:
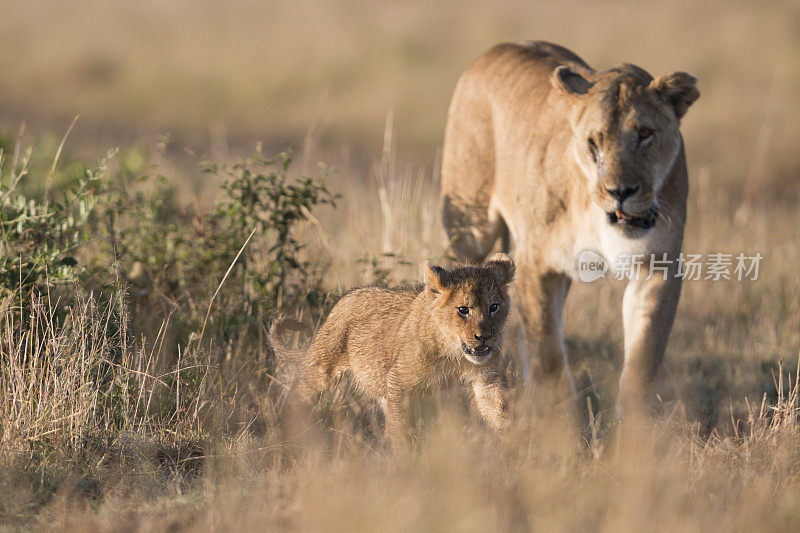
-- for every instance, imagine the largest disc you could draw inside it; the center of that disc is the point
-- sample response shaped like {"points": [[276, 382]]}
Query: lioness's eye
{"points": [[463, 311], [644, 134], [493, 308], [593, 149]]}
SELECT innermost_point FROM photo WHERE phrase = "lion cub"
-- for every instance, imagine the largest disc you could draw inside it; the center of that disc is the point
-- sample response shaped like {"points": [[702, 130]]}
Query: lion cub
{"points": [[392, 340]]}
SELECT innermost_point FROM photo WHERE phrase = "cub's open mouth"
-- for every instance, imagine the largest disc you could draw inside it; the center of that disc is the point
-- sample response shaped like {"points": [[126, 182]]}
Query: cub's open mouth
{"points": [[645, 220], [476, 356]]}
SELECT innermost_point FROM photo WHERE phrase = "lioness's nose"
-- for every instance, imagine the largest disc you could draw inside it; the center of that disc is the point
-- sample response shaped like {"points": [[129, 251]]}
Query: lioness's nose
{"points": [[620, 193], [483, 338]]}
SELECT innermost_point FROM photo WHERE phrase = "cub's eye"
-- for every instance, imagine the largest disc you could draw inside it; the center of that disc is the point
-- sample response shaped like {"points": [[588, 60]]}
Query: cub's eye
{"points": [[493, 308], [644, 134], [463, 311]]}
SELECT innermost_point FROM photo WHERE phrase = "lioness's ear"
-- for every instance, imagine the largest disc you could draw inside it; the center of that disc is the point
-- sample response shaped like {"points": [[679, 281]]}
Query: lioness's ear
{"points": [[502, 266], [568, 81], [678, 89], [434, 280]]}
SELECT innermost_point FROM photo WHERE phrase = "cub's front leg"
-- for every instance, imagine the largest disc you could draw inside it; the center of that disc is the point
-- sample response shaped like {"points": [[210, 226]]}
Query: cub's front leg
{"points": [[488, 389], [395, 414]]}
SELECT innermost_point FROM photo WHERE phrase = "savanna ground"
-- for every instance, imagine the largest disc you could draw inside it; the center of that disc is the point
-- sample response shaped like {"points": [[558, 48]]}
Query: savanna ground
{"points": [[137, 390]]}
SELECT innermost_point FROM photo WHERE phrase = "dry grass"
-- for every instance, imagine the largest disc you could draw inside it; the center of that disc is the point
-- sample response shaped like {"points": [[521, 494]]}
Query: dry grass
{"points": [[97, 432], [208, 451], [664, 475]]}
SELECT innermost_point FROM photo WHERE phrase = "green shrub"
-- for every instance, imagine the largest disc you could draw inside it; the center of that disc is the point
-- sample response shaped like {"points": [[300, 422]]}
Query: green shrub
{"points": [[178, 256], [41, 236], [259, 195], [100, 222]]}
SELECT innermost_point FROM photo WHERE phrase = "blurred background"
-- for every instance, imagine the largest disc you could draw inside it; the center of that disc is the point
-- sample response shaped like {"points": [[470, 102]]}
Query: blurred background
{"points": [[130, 367], [217, 75]]}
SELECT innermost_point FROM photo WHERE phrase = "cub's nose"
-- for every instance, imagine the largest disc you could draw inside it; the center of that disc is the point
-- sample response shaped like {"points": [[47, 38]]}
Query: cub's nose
{"points": [[620, 193], [483, 338]]}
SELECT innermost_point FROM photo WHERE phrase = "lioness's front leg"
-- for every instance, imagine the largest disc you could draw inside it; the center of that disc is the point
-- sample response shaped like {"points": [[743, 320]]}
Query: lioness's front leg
{"points": [[648, 310], [541, 300]]}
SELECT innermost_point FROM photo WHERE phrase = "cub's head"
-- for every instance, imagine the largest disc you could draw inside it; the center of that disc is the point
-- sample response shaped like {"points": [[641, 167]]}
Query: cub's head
{"points": [[469, 305], [626, 137]]}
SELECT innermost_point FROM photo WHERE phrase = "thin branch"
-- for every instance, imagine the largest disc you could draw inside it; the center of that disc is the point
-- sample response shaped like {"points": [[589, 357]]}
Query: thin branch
{"points": [[211, 303]]}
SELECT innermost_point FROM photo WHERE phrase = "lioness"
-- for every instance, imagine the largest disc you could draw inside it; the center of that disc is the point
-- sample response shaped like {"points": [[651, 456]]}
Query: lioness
{"points": [[544, 150], [392, 340]]}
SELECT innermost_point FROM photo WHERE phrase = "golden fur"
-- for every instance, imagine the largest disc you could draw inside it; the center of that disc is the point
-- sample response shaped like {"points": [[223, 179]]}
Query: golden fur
{"points": [[393, 340], [557, 158]]}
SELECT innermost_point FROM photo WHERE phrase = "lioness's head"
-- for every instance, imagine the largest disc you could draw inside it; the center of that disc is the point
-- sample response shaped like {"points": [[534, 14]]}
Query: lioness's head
{"points": [[626, 136], [469, 305]]}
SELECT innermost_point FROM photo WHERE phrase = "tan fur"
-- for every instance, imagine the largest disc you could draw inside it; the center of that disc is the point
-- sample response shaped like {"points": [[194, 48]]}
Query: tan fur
{"points": [[393, 340], [519, 160]]}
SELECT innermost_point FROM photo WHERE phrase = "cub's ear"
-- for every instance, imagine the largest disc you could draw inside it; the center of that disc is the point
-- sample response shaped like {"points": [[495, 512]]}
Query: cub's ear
{"points": [[434, 280], [678, 89], [502, 266], [568, 81]]}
